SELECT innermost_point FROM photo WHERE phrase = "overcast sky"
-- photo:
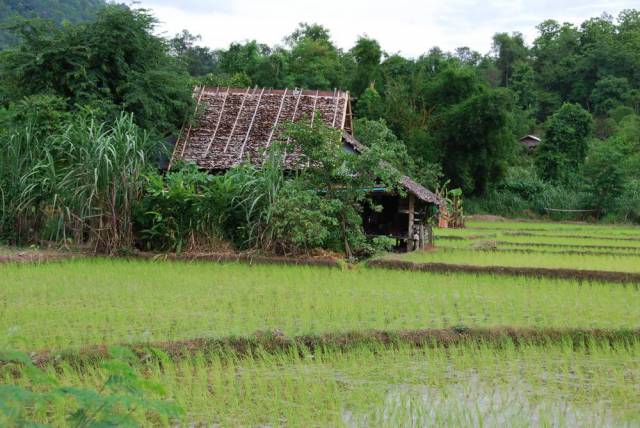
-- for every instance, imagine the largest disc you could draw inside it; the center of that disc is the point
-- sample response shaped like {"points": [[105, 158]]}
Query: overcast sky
{"points": [[407, 27]]}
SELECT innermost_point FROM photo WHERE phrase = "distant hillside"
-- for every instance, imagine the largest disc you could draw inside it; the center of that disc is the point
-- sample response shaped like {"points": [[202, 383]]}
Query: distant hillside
{"points": [[56, 10]]}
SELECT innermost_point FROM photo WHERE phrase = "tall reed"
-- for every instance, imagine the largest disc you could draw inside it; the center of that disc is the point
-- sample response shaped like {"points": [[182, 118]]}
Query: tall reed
{"points": [[79, 184]]}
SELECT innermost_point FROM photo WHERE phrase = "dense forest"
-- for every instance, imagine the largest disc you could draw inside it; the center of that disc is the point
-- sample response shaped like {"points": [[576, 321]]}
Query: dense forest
{"points": [[87, 108], [460, 113], [55, 10]]}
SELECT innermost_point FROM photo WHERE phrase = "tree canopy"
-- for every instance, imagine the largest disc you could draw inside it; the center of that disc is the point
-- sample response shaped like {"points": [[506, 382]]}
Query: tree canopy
{"points": [[55, 10], [114, 63]]}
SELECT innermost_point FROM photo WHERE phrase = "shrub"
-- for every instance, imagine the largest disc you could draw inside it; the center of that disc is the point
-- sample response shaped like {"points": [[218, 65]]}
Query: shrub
{"points": [[183, 209], [301, 220], [629, 201]]}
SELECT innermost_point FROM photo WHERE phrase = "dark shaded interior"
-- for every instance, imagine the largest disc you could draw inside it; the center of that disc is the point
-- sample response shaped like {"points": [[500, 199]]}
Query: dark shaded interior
{"points": [[393, 219]]}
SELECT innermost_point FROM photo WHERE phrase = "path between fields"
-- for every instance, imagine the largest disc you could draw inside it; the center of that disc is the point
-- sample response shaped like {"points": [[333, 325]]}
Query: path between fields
{"points": [[275, 342]]}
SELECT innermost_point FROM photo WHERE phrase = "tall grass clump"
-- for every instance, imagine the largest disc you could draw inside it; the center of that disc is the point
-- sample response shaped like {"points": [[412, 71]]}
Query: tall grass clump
{"points": [[22, 185], [101, 179], [76, 185]]}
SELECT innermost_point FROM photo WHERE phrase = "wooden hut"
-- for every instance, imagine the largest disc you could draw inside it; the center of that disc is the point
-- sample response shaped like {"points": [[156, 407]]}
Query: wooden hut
{"points": [[235, 125], [530, 142]]}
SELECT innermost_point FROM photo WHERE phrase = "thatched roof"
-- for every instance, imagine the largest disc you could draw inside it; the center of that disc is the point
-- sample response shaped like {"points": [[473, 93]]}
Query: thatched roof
{"points": [[235, 125], [411, 186]]}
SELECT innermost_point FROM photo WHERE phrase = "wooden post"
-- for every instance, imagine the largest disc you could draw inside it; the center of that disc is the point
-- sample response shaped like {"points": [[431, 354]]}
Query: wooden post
{"points": [[410, 243]]}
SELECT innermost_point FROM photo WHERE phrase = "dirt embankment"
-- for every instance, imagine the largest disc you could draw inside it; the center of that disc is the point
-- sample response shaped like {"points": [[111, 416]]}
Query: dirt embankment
{"points": [[276, 342], [579, 274]]}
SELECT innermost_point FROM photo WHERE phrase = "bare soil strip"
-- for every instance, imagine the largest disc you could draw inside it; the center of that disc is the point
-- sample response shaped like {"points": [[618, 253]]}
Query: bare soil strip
{"points": [[576, 274], [464, 238], [275, 342]]}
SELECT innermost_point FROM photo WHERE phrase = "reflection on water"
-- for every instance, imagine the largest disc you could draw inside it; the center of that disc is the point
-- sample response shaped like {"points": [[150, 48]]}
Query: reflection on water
{"points": [[477, 403]]}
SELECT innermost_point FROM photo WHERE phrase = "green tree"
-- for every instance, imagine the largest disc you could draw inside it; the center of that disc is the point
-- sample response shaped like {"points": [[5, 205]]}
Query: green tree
{"points": [[555, 53], [114, 61], [314, 62], [610, 92], [54, 10], [565, 143], [367, 54], [509, 50], [342, 177], [468, 129], [604, 177], [370, 105], [198, 60]]}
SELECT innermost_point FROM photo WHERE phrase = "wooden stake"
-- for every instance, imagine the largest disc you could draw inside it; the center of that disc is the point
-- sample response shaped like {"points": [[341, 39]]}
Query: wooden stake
{"points": [[336, 95], [410, 243], [215, 131], [344, 110], [236, 121], [253, 118], [313, 111], [275, 125]]}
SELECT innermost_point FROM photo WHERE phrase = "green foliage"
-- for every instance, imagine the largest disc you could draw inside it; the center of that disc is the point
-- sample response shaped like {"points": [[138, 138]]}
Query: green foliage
{"points": [[123, 398], [115, 60], [603, 177], [302, 219], [564, 147], [470, 130], [237, 80], [342, 177], [366, 55], [313, 62], [55, 10], [510, 51], [44, 115], [198, 60], [523, 193], [183, 209], [78, 184], [370, 105], [376, 134], [609, 93]]}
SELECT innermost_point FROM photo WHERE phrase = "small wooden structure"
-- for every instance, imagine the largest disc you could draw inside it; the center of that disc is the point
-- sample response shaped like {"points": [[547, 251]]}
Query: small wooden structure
{"points": [[530, 142], [235, 125]]}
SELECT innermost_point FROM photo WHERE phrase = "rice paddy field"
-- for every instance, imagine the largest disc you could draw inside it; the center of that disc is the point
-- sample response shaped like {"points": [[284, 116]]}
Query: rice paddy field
{"points": [[441, 349], [536, 245]]}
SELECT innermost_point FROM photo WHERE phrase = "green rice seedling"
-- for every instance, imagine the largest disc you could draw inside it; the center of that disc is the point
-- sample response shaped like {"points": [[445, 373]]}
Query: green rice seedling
{"points": [[550, 227], [468, 256], [461, 385], [112, 301]]}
